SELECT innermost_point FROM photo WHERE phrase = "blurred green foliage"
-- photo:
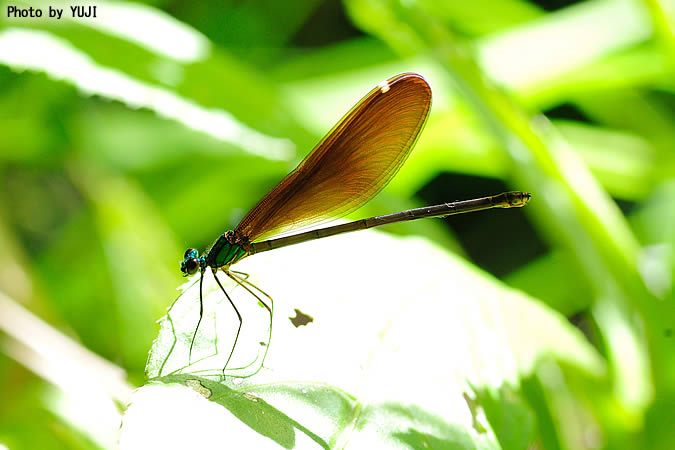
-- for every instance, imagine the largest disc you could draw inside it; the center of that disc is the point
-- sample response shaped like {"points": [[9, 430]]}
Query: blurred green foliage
{"points": [[127, 137]]}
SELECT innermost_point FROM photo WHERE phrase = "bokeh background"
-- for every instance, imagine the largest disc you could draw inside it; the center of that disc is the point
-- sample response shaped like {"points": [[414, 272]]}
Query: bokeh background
{"points": [[128, 137]]}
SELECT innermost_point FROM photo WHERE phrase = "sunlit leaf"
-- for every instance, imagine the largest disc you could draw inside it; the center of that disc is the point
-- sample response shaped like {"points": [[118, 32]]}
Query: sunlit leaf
{"points": [[389, 309]]}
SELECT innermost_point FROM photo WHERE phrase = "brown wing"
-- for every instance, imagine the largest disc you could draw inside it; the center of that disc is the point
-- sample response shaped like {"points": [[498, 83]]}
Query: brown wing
{"points": [[355, 160]]}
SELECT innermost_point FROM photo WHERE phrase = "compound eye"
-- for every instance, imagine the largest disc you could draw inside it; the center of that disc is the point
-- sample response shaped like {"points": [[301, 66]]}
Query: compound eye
{"points": [[191, 253], [191, 266]]}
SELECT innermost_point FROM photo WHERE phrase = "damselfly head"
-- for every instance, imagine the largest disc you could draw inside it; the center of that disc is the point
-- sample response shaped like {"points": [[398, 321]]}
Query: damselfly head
{"points": [[191, 262]]}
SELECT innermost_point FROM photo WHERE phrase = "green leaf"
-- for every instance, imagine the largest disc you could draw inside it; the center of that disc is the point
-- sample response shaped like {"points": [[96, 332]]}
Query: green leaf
{"points": [[400, 328]]}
